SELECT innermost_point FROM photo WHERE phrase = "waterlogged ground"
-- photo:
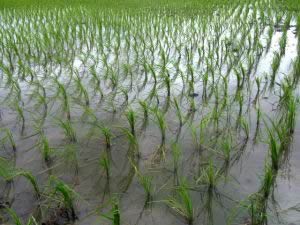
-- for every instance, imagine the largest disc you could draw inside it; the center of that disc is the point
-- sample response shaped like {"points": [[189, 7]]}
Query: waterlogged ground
{"points": [[229, 74]]}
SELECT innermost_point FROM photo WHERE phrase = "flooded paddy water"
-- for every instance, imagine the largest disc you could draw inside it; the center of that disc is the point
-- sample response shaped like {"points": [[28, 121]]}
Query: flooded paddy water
{"points": [[150, 117]]}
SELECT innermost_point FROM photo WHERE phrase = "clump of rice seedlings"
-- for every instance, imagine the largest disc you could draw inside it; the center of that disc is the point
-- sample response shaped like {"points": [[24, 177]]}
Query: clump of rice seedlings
{"points": [[81, 89], [146, 182], [226, 147], [268, 181], [205, 82], [195, 136], [8, 172], [291, 115], [258, 82], [114, 216], [68, 129], [96, 82], [192, 108], [258, 118], [133, 142], [108, 135], [125, 93], [45, 148], [131, 118], [275, 66], [274, 149], [9, 136], [116, 213], [17, 220], [209, 177], [61, 91], [161, 122], [182, 203], [21, 117], [67, 194], [69, 156], [296, 70], [178, 112], [105, 164], [176, 153], [245, 127], [240, 98], [257, 210], [145, 108], [282, 43], [203, 129], [225, 93]]}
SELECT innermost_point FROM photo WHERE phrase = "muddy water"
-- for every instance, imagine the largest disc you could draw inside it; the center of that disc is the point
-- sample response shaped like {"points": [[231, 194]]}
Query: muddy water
{"points": [[241, 178]]}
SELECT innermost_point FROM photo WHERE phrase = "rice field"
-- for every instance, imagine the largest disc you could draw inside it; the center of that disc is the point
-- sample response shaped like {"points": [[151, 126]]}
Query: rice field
{"points": [[161, 112]]}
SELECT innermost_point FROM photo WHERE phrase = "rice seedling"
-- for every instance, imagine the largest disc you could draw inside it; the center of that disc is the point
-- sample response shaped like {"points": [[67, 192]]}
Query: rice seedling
{"points": [[178, 112], [176, 153], [245, 127], [226, 147], [17, 220], [61, 91], [209, 176], [68, 129], [274, 150], [145, 108], [194, 135], [108, 136], [131, 118], [114, 216], [81, 89], [275, 66], [9, 136], [182, 203], [9, 173], [133, 142], [45, 148], [146, 182], [160, 121], [67, 195], [105, 164], [282, 43], [268, 181], [116, 213], [21, 116]]}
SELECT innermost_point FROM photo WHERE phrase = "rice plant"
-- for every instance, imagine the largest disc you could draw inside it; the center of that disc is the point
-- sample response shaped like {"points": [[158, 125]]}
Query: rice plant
{"points": [[17, 220], [209, 176], [275, 66], [268, 181], [182, 203], [107, 133], [178, 112], [114, 216], [8, 172], [160, 121], [45, 148], [145, 108], [146, 182], [226, 147], [274, 150], [68, 130], [105, 164], [131, 118], [67, 195], [176, 153], [9, 136]]}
